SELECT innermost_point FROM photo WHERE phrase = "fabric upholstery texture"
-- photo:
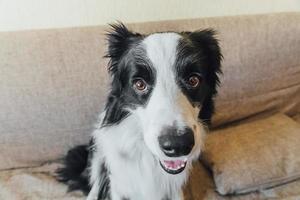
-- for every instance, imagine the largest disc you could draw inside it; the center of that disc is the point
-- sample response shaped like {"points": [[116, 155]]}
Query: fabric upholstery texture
{"points": [[255, 155], [53, 83], [38, 184]]}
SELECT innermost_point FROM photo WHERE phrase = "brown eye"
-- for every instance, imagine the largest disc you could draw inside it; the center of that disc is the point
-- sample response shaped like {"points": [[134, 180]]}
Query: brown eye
{"points": [[140, 84], [194, 81]]}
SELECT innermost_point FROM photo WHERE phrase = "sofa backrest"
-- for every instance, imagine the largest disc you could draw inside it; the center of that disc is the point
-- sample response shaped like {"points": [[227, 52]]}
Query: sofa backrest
{"points": [[53, 83]]}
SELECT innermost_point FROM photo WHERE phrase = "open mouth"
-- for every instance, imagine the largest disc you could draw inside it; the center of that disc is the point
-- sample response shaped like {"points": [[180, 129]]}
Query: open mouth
{"points": [[173, 166]]}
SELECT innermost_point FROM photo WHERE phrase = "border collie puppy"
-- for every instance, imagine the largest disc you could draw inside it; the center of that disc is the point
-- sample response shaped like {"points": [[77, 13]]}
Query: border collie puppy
{"points": [[161, 99]]}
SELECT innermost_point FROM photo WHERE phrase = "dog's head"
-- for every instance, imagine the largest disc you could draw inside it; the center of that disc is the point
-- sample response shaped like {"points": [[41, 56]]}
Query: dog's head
{"points": [[168, 80]]}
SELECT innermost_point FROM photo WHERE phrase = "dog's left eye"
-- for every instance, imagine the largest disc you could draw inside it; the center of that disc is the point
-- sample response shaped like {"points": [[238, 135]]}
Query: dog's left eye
{"points": [[140, 84], [194, 80]]}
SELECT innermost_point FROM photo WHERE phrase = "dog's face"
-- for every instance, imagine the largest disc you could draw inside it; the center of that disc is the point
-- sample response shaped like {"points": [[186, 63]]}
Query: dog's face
{"points": [[168, 81]]}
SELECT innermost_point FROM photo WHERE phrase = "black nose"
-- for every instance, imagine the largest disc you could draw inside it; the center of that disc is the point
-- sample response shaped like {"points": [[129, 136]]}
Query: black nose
{"points": [[175, 142]]}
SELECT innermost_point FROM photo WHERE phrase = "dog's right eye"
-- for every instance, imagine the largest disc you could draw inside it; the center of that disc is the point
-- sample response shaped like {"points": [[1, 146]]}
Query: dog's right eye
{"points": [[140, 85]]}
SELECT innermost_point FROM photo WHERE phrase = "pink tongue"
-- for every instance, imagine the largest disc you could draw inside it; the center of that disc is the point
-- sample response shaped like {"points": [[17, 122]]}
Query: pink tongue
{"points": [[173, 163]]}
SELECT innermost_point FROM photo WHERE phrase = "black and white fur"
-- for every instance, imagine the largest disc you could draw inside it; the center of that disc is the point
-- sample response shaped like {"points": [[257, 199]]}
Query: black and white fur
{"points": [[125, 160]]}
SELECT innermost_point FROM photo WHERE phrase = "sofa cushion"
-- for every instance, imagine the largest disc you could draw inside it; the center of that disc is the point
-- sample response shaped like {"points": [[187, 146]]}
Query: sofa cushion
{"points": [[255, 155], [52, 86]]}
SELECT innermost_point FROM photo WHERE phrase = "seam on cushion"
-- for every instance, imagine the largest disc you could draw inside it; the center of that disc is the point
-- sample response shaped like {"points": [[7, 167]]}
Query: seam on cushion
{"points": [[30, 167], [52, 130], [272, 183]]}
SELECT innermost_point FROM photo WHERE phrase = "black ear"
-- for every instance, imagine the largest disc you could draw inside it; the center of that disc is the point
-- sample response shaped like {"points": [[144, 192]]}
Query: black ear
{"points": [[207, 46], [119, 40]]}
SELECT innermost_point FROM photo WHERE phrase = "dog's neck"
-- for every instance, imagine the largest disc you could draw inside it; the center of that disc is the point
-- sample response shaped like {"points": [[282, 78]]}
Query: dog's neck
{"points": [[134, 173]]}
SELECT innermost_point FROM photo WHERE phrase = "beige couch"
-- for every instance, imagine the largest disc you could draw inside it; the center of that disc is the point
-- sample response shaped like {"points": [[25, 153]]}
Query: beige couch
{"points": [[53, 84]]}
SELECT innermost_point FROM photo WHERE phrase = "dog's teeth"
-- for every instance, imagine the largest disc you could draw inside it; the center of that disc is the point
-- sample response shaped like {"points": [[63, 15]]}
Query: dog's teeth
{"points": [[174, 166]]}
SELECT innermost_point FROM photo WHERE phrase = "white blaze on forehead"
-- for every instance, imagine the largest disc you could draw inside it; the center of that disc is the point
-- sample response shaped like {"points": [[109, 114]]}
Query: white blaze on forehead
{"points": [[161, 50]]}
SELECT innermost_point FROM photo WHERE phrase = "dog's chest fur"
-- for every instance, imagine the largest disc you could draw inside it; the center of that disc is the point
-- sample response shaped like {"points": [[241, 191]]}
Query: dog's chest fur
{"points": [[142, 181]]}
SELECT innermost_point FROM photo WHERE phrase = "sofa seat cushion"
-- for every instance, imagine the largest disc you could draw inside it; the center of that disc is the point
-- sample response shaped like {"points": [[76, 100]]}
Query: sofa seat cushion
{"points": [[254, 156], [35, 183], [38, 183]]}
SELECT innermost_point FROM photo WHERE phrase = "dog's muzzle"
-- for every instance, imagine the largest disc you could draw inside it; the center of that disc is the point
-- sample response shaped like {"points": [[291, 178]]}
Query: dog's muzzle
{"points": [[174, 143]]}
